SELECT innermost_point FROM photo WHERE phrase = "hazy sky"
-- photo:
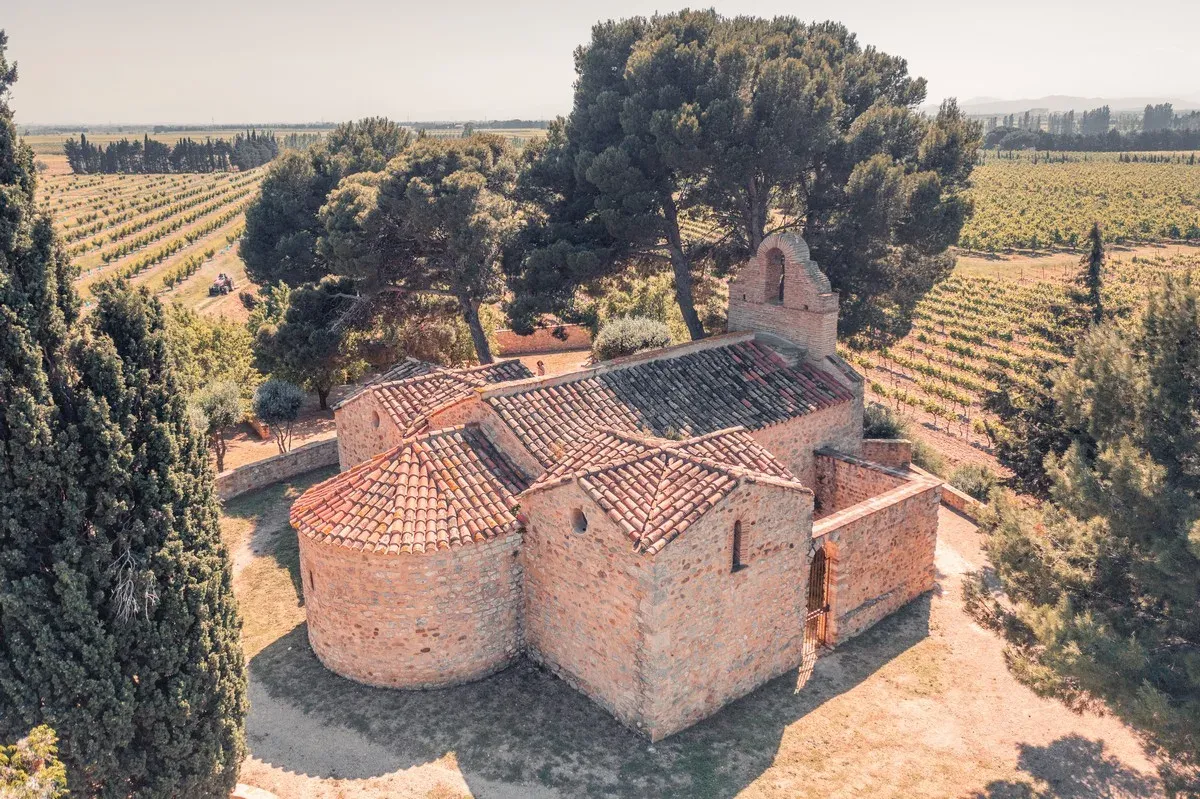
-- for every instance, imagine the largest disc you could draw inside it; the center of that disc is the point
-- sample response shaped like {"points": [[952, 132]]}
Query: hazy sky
{"points": [[139, 61]]}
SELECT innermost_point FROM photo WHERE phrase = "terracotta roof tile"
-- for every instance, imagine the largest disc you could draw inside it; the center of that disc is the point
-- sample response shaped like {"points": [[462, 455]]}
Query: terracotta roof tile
{"points": [[434, 491], [743, 384], [654, 488], [413, 389]]}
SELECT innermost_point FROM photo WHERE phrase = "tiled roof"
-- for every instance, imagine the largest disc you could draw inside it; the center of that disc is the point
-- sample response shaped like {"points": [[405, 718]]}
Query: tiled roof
{"points": [[741, 384], [413, 389], [434, 491], [653, 488]]}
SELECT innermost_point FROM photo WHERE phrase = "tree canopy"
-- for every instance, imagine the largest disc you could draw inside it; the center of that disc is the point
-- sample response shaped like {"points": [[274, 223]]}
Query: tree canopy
{"points": [[1106, 578], [693, 136], [311, 346], [282, 225], [437, 219], [118, 626]]}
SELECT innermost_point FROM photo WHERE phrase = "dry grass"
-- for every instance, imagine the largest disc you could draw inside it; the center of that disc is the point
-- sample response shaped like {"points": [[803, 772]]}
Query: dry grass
{"points": [[921, 705]]}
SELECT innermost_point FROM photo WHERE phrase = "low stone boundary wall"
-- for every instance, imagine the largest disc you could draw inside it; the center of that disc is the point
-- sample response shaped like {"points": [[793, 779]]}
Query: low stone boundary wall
{"points": [[843, 480], [965, 504], [235, 482], [557, 338], [953, 498]]}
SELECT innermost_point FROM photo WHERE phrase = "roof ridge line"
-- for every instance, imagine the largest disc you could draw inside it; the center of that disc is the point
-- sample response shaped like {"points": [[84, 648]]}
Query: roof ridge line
{"points": [[739, 471], [617, 364]]}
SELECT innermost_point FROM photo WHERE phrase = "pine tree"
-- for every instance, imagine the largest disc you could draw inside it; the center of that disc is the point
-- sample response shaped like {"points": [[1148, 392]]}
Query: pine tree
{"points": [[118, 627], [1106, 580]]}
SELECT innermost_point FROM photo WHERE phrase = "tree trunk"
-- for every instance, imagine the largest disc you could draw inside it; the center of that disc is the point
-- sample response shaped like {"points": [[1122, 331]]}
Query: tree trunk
{"points": [[470, 311], [219, 450], [683, 293], [323, 397], [683, 274]]}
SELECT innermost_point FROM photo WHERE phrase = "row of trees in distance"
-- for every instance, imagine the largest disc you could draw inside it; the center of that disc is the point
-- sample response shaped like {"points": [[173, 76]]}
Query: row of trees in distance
{"points": [[126, 156]]}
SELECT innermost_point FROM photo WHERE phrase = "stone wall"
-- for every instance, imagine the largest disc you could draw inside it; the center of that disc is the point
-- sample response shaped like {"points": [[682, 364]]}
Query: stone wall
{"points": [[559, 338], [895, 453], [715, 634], [881, 555], [583, 594], [319, 454], [807, 314], [414, 621], [364, 430], [794, 440], [842, 481]]}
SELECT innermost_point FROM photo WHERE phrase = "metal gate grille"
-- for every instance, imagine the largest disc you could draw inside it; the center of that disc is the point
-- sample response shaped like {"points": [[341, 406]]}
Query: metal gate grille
{"points": [[816, 618]]}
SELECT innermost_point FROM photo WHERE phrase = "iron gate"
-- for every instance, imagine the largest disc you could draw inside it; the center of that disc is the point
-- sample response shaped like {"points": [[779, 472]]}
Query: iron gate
{"points": [[817, 617]]}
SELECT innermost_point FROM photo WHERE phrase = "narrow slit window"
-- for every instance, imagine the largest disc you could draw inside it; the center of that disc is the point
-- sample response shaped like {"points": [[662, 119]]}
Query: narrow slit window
{"points": [[739, 553]]}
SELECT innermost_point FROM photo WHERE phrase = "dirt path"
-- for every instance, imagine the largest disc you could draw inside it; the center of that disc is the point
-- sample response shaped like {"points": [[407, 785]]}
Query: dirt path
{"points": [[921, 705]]}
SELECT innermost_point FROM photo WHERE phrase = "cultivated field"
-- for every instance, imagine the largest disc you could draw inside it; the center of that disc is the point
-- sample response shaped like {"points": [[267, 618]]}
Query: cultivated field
{"points": [[993, 314], [1037, 200], [922, 705], [161, 230]]}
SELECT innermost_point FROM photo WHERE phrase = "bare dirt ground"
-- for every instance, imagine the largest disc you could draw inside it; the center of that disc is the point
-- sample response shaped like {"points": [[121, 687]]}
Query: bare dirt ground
{"points": [[921, 705], [557, 363]]}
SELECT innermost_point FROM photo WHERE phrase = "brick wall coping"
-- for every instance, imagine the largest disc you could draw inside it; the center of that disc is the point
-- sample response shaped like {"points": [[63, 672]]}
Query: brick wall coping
{"points": [[646, 356], [829, 452], [913, 487]]}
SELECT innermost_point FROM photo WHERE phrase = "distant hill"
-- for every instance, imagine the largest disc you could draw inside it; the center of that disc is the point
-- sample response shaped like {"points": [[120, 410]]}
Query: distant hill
{"points": [[1059, 103]]}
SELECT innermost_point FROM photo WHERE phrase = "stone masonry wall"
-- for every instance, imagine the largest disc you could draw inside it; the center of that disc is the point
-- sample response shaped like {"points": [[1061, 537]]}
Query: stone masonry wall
{"points": [[808, 312], [364, 430], [583, 593], [881, 555], [842, 482], [895, 453], [793, 441], [558, 338], [235, 482], [414, 621], [714, 634]]}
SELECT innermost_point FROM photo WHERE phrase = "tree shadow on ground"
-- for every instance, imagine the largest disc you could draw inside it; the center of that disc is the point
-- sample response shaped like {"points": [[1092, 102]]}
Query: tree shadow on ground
{"points": [[525, 727], [1072, 767]]}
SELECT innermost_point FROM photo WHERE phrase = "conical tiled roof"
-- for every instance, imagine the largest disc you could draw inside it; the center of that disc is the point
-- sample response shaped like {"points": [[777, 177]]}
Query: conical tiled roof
{"points": [[434, 491]]}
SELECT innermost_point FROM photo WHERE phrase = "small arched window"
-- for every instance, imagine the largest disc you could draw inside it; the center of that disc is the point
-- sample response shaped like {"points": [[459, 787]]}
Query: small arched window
{"points": [[579, 522], [776, 271], [375, 419]]}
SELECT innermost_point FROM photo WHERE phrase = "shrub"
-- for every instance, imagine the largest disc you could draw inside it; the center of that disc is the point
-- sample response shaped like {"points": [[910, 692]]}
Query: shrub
{"points": [[927, 458], [974, 480], [30, 768], [278, 403], [629, 334], [880, 422]]}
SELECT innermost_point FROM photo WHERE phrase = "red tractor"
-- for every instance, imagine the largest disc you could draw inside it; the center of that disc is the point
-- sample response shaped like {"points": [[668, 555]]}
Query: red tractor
{"points": [[222, 285]]}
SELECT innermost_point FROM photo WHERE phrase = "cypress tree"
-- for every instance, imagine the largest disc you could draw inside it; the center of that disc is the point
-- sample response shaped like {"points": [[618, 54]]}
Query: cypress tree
{"points": [[1091, 279], [118, 627]]}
